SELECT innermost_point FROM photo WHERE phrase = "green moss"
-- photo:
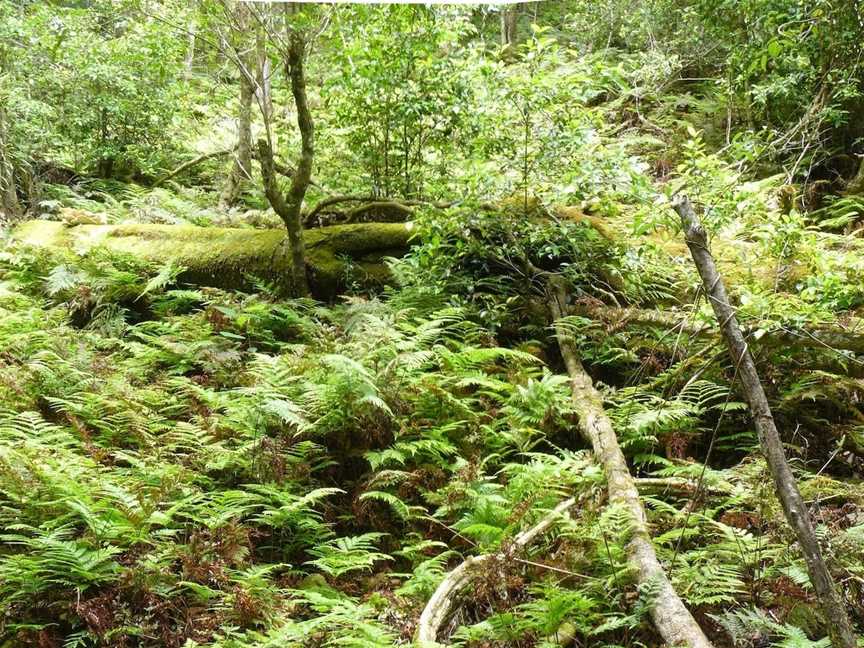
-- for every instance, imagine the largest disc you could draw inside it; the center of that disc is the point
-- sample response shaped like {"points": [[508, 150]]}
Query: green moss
{"points": [[225, 257]]}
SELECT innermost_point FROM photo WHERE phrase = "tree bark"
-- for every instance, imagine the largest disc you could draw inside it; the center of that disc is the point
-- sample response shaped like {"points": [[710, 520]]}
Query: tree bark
{"points": [[509, 21], [191, 34], [9, 204], [671, 618], [290, 208], [794, 507], [248, 61], [855, 187], [241, 169]]}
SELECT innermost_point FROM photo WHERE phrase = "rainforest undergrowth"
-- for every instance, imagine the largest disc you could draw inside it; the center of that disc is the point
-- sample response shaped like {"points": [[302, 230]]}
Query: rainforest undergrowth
{"points": [[183, 464]]}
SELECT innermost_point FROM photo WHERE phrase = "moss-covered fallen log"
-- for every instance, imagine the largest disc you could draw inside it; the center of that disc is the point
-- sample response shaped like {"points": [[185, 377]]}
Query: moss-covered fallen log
{"points": [[227, 257]]}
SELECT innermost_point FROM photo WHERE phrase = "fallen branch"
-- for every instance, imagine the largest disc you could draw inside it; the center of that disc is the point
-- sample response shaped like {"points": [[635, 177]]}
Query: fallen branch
{"points": [[278, 167], [395, 205], [671, 618], [441, 602], [370, 203], [794, 507], [191, 163], [678, 486]]}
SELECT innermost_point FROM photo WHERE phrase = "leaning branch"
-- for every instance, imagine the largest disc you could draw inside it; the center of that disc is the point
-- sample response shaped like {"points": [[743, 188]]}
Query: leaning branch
{"points": [[278, 167], [797, 513], [671, 618], [191, 163], [442, 600]]}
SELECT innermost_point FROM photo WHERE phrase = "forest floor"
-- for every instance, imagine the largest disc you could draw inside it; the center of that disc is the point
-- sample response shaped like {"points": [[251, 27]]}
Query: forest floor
{"points": [[186, 465]]}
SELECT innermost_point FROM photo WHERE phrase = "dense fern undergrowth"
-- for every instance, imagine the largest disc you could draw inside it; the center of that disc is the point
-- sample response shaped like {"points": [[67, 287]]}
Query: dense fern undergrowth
{"points": [[183, 465], [190, 466]]}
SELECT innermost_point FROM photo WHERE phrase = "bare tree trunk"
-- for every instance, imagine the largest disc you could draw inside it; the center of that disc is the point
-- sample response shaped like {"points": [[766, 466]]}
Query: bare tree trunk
{"points": [[671, 618], [9, 204], [241, 170], [191, 31], [263, 74], [290, 208], [509, 20], [797, 514]]}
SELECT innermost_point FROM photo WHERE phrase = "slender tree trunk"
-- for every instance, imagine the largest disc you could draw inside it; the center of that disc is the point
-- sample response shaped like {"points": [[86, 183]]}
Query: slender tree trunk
{"points": [[191, 31], [289, 207], [797, 514], [509, 20], [9, 204], [263, 85], [241, 170], [248, 62], [303, 174]]}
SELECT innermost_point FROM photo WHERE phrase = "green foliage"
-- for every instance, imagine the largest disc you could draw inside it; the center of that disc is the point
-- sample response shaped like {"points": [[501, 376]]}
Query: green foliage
{"points": [[348, 554], [186, 466], [745, 627], [415, 103], [102, 79]]}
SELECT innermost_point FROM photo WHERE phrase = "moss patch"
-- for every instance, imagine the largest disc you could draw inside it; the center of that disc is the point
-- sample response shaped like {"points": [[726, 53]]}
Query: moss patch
{"points": [[225, 257]]}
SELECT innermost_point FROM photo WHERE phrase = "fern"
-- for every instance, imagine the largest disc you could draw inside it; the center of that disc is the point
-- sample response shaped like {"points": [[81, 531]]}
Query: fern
{"points": [[344, 555], [749, 627]]}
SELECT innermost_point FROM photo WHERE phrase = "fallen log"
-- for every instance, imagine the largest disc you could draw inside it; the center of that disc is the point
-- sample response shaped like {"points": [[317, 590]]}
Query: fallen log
{"points": [[795, 509], [227, 257], [441, 602], [670, 616], [404, 209]]}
